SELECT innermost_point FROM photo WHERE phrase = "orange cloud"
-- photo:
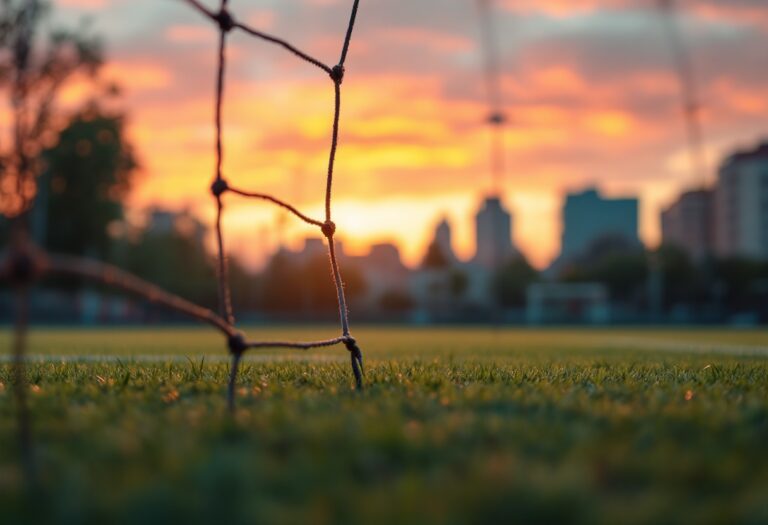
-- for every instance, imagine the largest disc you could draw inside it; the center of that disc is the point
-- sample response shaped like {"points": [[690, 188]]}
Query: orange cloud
{"points": [[612, 124], [138, 75], [738, 14], [184, 33], [413, 139], [83, 4], [561, 8], [439, 41]]}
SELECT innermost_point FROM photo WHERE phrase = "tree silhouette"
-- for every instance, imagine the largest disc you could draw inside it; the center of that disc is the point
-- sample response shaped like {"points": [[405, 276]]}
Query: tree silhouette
{"points": [[87, 174], [34, 67], [511, 281]]}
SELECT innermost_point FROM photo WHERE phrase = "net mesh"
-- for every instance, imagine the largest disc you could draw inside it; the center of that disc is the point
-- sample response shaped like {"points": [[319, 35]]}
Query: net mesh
{"points": [[25, 262]]}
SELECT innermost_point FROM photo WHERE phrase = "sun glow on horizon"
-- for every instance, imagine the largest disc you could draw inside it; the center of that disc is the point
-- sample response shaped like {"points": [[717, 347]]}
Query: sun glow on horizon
{"points": [[413, 143]]}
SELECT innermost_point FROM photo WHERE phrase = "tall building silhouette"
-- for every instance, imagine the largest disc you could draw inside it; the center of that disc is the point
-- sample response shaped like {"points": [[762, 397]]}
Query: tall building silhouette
{"points": [[493, 234], [741, 204], [689, 223], [589, 217], [443, 239]]}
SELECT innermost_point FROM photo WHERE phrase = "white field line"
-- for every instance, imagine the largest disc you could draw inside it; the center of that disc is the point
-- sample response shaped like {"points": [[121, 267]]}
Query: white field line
{"points": [[662, 345], [618, 343]]}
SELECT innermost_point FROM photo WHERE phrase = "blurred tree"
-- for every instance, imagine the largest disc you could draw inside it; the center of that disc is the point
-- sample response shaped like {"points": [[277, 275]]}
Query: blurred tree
{"points": [[171, 253], [33, 70], [159, 257], [458, 283], [87, 176], [511, 281], [744, 284], [620, 264], [5, 230], [247, 287], [174, 259], [282, 289], [683, 281], [304, 285], [396, 301]]}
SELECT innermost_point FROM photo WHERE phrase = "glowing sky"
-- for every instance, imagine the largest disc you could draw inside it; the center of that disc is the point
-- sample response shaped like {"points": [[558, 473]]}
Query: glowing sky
{"points": [[589, 86]]}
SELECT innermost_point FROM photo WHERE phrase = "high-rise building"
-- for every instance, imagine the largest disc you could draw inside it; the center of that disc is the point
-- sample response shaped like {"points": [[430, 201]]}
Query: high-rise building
{"points": [[689, 223], [383, 271], [439, 252], [589, 217], [443, 239], [741, 204], [493, 230]]}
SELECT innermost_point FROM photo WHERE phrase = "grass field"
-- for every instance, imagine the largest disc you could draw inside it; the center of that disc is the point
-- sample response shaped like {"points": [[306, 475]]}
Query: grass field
{"points": [[455, 426]]}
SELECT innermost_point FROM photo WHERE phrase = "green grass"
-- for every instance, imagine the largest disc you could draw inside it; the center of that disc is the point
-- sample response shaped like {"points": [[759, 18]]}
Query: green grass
{"points": [[455, 426]]}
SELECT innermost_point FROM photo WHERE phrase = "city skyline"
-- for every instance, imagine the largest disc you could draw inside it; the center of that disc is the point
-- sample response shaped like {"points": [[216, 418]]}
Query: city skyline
{"points": [[587, 216], [591, 94]]}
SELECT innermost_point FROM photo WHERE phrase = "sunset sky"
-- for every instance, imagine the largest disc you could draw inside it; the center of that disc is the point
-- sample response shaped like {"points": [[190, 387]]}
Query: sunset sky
{"points": [[589, 85]]}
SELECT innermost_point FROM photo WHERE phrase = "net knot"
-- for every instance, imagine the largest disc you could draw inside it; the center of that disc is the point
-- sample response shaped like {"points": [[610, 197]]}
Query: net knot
{"points": [[328, 228], [218, 187], [225, 20], [337, 73], [351, 344], [236, 343]]}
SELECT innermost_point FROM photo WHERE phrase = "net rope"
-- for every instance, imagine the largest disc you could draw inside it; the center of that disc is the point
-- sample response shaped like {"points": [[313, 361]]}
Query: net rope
{"points": [[26, 262]]}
